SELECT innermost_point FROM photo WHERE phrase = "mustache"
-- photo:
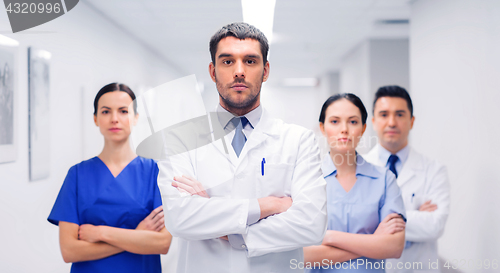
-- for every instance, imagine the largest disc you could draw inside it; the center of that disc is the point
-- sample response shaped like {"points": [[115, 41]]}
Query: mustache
{"points": [[239, 80]]}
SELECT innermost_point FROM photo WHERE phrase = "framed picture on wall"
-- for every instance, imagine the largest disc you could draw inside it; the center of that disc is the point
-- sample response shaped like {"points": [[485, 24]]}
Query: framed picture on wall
{"points": [[8, 74], [39, 114]]}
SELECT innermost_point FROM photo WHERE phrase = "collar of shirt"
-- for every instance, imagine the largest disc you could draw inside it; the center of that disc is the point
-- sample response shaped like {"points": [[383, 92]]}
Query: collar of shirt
{"points": [[225, 117], [362, 167], [402, 155]]}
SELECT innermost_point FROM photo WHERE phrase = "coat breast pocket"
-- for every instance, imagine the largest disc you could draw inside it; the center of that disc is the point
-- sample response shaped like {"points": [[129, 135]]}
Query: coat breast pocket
{"points": [[275, 180], [413, 193]]}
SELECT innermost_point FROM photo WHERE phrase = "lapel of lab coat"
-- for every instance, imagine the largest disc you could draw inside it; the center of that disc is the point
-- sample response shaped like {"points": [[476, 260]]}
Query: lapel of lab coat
{"points": [[412, 165], [266, 127], [373, 157]]}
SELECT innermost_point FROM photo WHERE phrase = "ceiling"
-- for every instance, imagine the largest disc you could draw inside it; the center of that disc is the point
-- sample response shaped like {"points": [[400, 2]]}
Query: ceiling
{"points": [[310, 37]]}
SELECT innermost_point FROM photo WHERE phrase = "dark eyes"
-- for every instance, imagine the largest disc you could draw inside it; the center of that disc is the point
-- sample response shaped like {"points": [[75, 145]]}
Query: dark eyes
{"points": [[107, 112], [228, 62], [354, 122], [399, 115]]}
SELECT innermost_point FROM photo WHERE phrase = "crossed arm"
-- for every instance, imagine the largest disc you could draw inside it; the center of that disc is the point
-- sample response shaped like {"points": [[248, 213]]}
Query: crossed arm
{"points": [[88, 242], [341, 246], [268, 205], [428, 222], [386, 242], [193, 217]]}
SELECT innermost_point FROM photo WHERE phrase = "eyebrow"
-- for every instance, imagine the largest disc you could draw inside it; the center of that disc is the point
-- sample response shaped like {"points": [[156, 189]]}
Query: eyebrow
{"points": [[348, 117], [253, 56], [223, 55], [397, 111], [118, 108]]}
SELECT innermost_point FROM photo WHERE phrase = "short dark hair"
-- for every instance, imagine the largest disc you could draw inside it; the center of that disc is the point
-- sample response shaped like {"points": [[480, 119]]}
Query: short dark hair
{"points": [[241, 31], [395, 92], [348, 96], [115, 87]]}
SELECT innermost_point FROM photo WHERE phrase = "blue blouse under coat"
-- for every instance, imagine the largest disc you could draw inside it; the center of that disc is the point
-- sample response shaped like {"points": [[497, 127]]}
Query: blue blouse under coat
{"points": [[360, 210]]}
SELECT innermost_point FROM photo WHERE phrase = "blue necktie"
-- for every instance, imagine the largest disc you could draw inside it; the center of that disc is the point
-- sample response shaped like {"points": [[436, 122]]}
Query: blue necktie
{"points": [[239, 138], [392, 164]]}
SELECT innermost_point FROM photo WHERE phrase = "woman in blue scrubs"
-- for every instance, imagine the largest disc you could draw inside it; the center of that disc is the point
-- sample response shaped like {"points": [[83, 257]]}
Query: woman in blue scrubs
{"points": [[365, 209], [109, 207]]}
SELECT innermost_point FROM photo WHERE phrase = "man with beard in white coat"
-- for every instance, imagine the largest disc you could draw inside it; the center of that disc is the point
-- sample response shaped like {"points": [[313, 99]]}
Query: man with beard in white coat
{"points": [[250, 206], [423, 182]]}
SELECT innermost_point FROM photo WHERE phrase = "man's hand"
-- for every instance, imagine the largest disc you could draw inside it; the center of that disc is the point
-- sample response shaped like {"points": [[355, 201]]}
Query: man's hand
{"points": [[273, 205], [154, 221], [190, 185], [427, 206], [391, 224], [89, 233]]}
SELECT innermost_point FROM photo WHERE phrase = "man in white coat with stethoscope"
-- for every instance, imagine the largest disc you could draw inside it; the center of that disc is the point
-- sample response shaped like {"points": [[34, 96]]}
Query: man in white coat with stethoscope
{"points": [[250, 205], [423, 182]]}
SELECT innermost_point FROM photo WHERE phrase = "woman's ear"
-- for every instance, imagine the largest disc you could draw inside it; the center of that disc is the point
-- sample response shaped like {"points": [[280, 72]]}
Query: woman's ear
{"points": [[364, 129], [322, 128], [95, 120]]}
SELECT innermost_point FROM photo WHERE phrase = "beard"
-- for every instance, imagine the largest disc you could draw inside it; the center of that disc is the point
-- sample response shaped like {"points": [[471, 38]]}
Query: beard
{"points": [[230, 101]]}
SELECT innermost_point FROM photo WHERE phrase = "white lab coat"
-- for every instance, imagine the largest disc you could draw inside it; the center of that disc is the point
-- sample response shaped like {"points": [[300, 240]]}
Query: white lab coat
{"points": [[420, 179], [292, 168]]}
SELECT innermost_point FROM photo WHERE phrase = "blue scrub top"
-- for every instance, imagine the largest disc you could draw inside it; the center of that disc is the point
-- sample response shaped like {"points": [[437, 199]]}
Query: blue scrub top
{"points": [[90, 194], [374, 196]]}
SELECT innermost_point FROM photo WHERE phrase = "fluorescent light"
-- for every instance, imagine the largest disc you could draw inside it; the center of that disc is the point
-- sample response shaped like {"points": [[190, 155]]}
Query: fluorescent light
{"points": [[260, 13], [301, 82], [6, 41]]}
